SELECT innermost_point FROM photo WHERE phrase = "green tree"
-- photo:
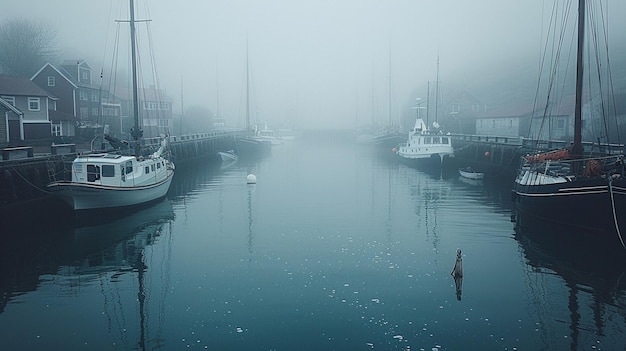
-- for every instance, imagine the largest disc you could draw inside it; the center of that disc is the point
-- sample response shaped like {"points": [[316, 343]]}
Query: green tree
{"points": [[26, 46]]}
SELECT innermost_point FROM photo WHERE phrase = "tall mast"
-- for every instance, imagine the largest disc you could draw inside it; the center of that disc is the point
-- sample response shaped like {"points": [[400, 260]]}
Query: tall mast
{"points": [[427, 103], [217, 89], [577, 148], [389, 98], [247, 91], [437, 93], [136, 132]]}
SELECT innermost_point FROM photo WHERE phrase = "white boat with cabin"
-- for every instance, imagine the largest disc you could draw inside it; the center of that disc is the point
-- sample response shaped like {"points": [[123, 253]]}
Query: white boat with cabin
{"points": [[424, 147], [111, 180]]}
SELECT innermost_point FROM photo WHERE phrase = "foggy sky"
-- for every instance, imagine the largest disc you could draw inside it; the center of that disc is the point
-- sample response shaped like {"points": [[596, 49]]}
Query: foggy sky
{"points": [[314, 64]]}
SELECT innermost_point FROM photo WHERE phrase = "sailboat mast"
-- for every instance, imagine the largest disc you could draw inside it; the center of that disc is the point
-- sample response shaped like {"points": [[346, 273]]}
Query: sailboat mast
{"points": [[437, 93], [217, 89], [389, 98], [136, 132], [577, 148], [427, 103], [247, 91]]}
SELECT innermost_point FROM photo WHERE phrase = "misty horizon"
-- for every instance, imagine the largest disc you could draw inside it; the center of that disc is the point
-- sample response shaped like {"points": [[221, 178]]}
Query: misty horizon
{"points": [[313, 65]]}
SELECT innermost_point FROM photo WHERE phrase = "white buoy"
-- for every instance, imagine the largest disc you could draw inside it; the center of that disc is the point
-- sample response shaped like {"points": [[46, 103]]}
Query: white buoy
{"points": [[251, 179]]}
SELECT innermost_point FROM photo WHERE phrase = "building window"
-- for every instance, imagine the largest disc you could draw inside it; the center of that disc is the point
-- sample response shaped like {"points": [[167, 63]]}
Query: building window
{"points": [[9, 99], [56, 129], [84, 113], [53, 105], [34, 104], [156, 106], [83, 95], [560, 124], [108, 111], [94, 111], [51, 81], [94, 96]]}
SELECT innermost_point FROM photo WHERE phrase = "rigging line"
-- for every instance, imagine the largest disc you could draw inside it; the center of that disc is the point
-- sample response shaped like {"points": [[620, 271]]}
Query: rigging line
{"points": [[608, 68], [619, 234], [557, 46], [593, 41], [155, 77], [609, 88], [28, 181]]}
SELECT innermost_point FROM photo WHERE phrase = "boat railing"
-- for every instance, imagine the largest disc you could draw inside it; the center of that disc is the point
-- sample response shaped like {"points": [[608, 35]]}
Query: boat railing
{"points": [[156, 141], [588, 166], [498, 139]]}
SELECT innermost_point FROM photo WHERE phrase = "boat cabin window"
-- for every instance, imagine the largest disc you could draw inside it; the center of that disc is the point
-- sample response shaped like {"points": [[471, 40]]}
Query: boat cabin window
{"points": [[147, 169], [436, 140], [129, 167], [158, 165], [428, 141], [93, 173], [108, 171], [445, 140], [152, 167]]}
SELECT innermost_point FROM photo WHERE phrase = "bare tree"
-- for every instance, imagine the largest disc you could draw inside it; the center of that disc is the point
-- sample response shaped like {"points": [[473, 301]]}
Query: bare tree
{"points": [[26, 46]]}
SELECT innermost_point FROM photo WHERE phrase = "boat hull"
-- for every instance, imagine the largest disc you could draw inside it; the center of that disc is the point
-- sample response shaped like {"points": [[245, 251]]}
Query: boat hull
{"points": [[433, 162], [229, 156], [469, 174], [84, 197], [593, 205]]}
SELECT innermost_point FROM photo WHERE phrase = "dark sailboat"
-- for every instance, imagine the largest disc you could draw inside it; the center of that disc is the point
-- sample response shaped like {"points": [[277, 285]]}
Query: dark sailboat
{"points": [[583, 186]]}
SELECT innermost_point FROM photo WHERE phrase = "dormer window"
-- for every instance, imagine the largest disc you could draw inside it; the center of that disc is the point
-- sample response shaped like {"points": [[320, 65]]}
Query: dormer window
{"points": [[84, 75]]}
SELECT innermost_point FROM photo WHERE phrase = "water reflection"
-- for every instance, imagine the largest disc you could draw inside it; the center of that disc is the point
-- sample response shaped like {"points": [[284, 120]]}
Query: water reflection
{"points": [[594, 278], [75, 256]]}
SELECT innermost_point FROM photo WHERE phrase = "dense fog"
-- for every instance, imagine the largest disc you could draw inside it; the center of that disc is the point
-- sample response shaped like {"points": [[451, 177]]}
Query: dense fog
{"points": [[321, 64]]}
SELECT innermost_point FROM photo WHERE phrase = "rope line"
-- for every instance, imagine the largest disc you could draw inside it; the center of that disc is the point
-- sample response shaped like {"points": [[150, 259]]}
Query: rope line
{"points": [[29, 182], [619, 234]]}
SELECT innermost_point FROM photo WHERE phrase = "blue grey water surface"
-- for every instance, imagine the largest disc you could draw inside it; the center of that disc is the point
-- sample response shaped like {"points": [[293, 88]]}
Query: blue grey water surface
{"points": [[334, 248]]}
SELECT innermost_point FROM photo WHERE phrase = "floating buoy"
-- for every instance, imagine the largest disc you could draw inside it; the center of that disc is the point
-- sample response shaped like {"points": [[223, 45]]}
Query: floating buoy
{"points": [[251, 179], [487, 154], [457, 271]]}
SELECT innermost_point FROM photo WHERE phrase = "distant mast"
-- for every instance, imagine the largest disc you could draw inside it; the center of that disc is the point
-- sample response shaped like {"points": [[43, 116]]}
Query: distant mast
{"points": [[437, 93], [389, 97], [247, 91], [136, 132]]}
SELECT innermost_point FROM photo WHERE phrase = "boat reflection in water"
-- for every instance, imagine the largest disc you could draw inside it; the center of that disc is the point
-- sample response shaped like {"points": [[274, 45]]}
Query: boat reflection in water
{"points": [[594, 278], [110, 253]]}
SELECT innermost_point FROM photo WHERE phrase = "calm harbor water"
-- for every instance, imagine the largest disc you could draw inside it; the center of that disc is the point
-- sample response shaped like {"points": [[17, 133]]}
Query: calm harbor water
{"points": [[334, 248]]}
